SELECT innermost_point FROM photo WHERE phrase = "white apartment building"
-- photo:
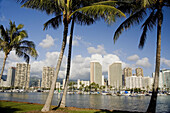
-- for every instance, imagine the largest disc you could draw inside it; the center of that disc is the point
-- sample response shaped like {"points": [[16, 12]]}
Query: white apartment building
{"points": [[80, 83], [133, 82], [47, 77], [147, 83], [10, 78], [164, 79], [115, 75], [22, 75], [96, 73]]}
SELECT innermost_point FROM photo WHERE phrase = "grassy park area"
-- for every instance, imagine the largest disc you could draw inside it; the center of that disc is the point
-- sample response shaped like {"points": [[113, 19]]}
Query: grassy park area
{"points": [[25, 107]]}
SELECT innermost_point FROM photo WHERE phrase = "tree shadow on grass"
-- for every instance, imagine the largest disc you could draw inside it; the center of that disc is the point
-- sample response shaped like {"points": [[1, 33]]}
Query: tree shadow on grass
{"points": [[8, 109], [115, 111]]}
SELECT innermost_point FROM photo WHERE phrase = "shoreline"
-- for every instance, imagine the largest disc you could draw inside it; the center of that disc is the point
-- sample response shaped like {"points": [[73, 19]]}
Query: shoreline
{"points": [[71, 109]]}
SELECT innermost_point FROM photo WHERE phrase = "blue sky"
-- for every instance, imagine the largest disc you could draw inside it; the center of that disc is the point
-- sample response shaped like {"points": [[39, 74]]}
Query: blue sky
{"points": [[91, 43]]}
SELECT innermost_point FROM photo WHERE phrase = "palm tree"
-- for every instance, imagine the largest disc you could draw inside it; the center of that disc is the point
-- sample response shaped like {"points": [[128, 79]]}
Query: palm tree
{"points": [[65, 9], [14, 39], [138, 13]]}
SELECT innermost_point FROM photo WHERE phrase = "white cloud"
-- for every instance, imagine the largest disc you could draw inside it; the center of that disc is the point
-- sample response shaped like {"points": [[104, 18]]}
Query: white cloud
{"points": [[75, 41], [165, 61], [13, 57], [99, 50], [48, 42], [144, 62], [2, 18], [119, 52], [133, 58]]}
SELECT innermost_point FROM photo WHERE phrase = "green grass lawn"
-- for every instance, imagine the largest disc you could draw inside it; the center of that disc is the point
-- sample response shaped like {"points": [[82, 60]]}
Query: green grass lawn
{"points": [[15, 107], [22, 107]]}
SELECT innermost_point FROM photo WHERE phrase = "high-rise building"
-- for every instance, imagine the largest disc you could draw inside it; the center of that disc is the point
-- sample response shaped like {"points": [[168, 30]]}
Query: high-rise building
{"points": [[102, 80], [139, 72], [134, 82], [96, 73], [47, 77], [164, 79], [82, 82], [127, 72], [147, 83], [11, 77], [115, 75], [22, 75]]}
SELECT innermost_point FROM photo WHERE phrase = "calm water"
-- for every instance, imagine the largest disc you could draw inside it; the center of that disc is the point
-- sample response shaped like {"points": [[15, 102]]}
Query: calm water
{"points": [[94, 101]]}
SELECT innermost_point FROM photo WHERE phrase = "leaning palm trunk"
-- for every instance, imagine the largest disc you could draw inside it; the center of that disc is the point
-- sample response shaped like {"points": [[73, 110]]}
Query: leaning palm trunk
{"points": [[3, 66], [51, 92], [152, 104], [62, 102]]}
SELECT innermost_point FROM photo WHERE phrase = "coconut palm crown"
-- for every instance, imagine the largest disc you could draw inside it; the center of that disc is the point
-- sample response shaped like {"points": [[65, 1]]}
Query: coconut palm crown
{"points": [[14, 39]]}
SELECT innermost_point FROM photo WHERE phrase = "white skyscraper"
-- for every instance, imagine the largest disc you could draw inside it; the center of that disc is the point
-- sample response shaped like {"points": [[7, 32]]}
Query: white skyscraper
{"points": [[11, 77], [96, 73], [115, 75], [47, 77], [22, 76], [147, 83]]}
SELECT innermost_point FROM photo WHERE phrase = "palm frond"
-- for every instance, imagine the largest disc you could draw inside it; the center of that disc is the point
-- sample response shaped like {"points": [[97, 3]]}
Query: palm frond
{"points": [[4, 35], [148, 24], [111, 3], [54, 22], [20, 26], [105, 11], [49, 6], [24, 55], [132, 20], [83, 19], [28, 50], [27, 43]]}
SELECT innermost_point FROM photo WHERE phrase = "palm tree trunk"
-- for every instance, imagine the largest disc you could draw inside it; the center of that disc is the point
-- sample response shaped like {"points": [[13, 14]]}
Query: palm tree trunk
{"points": [[51, 92], [3, 66], [62, 102], [152, 104], [26, 78]]}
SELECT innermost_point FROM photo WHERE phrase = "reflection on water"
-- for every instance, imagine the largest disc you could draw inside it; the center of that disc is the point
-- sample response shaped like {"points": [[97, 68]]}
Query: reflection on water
{"points": [[94, 101]]}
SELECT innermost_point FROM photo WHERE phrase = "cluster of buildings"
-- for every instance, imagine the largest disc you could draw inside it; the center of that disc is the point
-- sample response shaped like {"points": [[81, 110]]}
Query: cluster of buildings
{"points": [[17, 77], [118, 78], [125, 79]]}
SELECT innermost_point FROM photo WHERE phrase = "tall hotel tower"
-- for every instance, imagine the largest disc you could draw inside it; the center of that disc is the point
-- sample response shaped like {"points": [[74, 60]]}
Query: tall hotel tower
{"points": [[115, 75], [127, 72], [47, 76], [96, 73], [139, 72], [22, 76], [11, 77]]}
